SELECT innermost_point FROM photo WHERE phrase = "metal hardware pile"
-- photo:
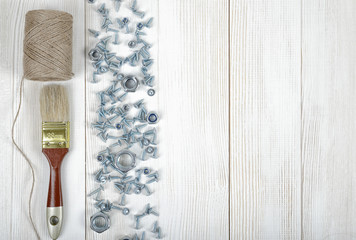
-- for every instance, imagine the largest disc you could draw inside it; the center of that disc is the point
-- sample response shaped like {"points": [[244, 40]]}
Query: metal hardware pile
{"points": [[130, 138]]}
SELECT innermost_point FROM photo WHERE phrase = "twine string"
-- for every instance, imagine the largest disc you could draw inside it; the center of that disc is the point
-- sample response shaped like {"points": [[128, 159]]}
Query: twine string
{"points": [[25, 156], [47, 57]]}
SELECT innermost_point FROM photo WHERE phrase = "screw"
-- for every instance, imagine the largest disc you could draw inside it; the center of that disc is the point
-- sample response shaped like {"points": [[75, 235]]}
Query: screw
{"points": [[101, 188], [147, 62], [95, 33], [126, 107], [121, 97], [116, 41], [150, 149], [116, 207], [137, 222], [117, 5], [125, 211], [147, 190], [132, 44], [158, 232], [151, 92], [138, 104], [155, 225], [103, 69], [137, 191], [149, 23]]}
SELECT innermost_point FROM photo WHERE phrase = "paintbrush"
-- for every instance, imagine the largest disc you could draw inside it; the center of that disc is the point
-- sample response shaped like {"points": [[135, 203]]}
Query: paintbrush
{"points": [[55, 145]]}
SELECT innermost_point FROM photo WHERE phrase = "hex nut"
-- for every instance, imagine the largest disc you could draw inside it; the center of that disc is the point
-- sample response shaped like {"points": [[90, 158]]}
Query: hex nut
{"points": [[95, 54], [94, 224], [130, 84], [125, 160]]}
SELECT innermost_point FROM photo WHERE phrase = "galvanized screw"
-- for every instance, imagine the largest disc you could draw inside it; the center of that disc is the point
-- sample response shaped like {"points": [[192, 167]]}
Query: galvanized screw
{"points": [[151, 92], [125, 211], [150, 149], [101, 188], [132, 44]]}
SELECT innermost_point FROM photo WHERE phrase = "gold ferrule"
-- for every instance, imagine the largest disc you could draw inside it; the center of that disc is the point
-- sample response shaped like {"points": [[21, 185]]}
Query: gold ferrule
{"points": [[55, 134]]}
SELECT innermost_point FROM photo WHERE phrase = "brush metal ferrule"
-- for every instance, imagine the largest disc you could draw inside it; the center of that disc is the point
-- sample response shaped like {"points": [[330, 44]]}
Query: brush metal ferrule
{"points": [[55, 135]]}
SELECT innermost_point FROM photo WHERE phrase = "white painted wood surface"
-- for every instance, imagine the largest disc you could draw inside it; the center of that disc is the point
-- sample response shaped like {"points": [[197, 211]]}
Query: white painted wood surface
{"points": [[15, 173], [328, 120], [257, 100], [265, 119]]}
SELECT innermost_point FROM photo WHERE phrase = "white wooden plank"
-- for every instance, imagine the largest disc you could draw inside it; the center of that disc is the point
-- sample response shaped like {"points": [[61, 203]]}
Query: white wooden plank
{"points": [[28, 132], [192, 98], [328, 123], [5, 123], [265, 119], [120, 225]]}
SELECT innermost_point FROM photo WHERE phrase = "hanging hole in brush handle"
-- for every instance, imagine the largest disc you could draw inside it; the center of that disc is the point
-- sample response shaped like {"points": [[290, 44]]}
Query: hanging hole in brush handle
{"points": [[54, 200]]}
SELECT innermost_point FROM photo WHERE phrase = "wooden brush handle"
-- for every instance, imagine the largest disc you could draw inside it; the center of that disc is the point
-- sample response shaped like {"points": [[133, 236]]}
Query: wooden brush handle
{"points": [[55, 157], [54, 200]]}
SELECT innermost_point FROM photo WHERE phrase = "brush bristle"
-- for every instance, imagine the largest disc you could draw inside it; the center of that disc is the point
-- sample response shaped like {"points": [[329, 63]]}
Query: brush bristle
{"points": [[54, 104]]}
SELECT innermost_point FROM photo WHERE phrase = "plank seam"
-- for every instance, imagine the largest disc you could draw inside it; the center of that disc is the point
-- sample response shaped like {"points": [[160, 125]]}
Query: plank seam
{"points": [[229, 114], [301, 125]]}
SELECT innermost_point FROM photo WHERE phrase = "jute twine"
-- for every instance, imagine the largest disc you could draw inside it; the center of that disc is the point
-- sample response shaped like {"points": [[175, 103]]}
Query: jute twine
{"points": [[47, 57]]}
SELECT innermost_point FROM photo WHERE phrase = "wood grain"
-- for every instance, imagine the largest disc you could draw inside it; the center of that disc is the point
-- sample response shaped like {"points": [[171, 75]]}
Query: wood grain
{"points": [[28, 131], [328, 119], [192, 98], [6, 103], [258, 112], [265, 119]]}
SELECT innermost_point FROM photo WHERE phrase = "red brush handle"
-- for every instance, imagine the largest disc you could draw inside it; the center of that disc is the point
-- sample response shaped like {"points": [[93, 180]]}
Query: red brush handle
{"points": [[55, 157]]}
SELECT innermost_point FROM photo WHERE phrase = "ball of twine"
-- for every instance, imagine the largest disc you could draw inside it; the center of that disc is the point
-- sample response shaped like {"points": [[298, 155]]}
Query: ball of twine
{"points": [[48, 45]]}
